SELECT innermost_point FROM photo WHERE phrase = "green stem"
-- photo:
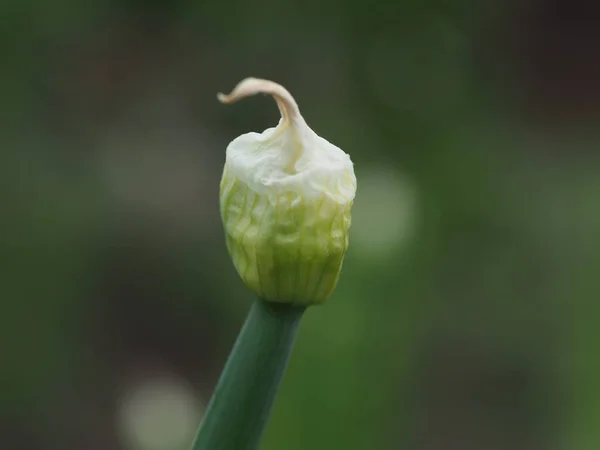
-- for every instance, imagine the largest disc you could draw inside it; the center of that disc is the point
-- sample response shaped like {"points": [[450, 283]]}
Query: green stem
{"points": [[240, 406]]}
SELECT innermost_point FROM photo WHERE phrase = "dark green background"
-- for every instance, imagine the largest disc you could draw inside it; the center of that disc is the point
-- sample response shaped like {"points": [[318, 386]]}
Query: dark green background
{"points": [[467, 312]]}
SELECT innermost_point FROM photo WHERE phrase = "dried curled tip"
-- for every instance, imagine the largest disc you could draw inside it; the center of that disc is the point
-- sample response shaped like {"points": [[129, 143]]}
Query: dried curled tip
{"points": [[252, 86]]}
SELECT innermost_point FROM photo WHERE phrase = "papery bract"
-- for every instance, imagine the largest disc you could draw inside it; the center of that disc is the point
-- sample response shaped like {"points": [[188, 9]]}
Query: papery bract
{"points": [[286, 198]]}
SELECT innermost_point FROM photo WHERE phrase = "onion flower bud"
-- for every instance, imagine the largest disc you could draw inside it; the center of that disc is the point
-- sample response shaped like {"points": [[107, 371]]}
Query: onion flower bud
{"points": [[286, 196]]}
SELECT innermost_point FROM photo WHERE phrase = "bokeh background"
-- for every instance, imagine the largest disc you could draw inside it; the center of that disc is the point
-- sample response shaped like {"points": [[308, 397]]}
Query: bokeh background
{"points": [[467, 313]]}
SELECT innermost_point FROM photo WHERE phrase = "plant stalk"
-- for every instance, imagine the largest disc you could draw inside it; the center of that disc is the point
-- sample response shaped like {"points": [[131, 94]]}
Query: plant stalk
{"points": [[239, 408]]}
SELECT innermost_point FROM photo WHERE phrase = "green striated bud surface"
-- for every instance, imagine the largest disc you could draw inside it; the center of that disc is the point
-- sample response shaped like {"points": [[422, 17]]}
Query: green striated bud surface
{"points": [[286, 198]]}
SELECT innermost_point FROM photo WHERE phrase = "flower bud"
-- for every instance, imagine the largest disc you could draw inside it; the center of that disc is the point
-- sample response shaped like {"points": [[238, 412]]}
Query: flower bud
{"points": [[285, 200]]}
